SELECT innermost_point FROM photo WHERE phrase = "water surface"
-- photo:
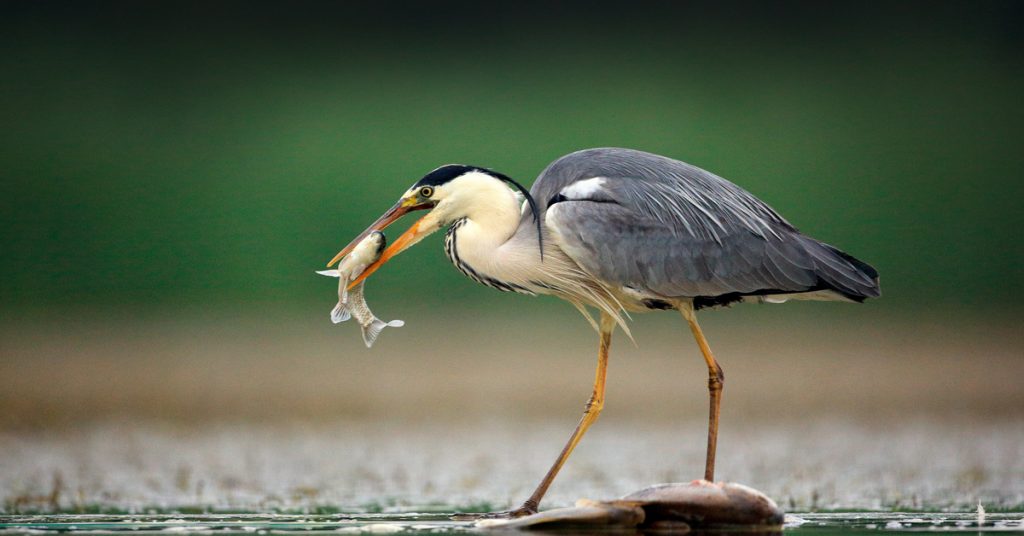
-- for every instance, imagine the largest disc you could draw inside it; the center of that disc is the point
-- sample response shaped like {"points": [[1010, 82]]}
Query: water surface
{"points": [[848, 523]]}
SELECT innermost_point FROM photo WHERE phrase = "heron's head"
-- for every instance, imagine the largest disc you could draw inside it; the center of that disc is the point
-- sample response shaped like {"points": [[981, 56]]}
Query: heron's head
{"points": [[449, 192]]}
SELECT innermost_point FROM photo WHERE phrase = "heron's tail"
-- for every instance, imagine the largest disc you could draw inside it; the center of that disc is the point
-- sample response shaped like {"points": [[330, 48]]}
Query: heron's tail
{"points": [[371, 332], [842, 272]]}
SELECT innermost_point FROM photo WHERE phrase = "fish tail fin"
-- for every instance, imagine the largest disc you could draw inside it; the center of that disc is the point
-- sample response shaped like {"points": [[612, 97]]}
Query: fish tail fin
{"points": [[372, 331], [340, 313]]}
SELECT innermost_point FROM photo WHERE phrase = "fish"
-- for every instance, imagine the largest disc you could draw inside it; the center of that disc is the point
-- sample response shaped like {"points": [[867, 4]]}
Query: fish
{"points": [[353, 302]]}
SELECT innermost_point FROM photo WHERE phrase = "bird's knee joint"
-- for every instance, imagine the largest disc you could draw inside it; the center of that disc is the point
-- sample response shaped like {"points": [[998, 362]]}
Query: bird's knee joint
{"points": [[594, 405], [716, 377]]}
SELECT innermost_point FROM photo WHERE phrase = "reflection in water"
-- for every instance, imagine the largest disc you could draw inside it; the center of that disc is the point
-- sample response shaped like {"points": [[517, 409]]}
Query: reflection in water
{"points": [[847, 524]]}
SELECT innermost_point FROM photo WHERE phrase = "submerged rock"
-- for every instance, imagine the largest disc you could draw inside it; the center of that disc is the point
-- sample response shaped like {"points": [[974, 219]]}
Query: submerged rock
{"points": [[697, 505], [703, 504]]}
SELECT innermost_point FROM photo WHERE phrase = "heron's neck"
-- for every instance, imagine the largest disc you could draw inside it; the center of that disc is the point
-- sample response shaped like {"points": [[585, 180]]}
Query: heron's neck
{"points": [[479, 244], [495, 223], [490, 209]]}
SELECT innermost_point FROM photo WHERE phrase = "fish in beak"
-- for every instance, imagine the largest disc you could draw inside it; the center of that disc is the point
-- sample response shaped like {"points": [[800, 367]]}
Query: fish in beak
{"points": [[410, 237]]}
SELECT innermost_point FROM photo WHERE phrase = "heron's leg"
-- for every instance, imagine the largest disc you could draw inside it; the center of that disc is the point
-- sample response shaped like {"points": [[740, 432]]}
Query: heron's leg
{"points": [[590, 414], [715, 380]]}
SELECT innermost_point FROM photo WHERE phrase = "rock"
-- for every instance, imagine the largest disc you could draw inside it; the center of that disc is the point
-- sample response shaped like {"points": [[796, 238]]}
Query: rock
{"points": [[698, 505], [702, 504]]}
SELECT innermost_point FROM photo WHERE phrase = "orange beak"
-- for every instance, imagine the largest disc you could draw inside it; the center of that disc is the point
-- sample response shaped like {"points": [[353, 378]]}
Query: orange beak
{"points": [[409, 238], [401, 208]]}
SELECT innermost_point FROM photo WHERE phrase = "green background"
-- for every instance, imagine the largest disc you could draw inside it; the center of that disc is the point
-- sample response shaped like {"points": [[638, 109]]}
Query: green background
{"points": [[172, 173], [180, 156]]}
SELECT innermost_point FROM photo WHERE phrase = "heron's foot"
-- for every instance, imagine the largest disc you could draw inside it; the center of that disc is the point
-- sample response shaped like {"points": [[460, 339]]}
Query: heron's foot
{"points": [[525, 510]]}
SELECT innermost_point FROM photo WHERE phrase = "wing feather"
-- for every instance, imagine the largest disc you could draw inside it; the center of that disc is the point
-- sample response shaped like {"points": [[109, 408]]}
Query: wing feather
{"points": [[667, 228]]}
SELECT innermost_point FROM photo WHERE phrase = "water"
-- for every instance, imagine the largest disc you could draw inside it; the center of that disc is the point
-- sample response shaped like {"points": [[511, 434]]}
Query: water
{"points": [[850, 524], [390, 477], [235, 523], [179, 429], [385, 466]]}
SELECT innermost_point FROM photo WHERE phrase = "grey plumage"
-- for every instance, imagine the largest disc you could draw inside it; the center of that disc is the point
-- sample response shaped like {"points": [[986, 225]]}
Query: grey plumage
{"points": [[666, 229]]}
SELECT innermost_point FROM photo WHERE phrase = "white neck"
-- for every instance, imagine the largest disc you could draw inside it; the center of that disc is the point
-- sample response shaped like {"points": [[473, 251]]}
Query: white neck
{"points": [[483, 200], [491, 212]]}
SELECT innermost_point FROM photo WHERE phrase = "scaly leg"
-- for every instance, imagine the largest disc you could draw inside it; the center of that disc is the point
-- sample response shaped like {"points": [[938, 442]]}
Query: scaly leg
{"points": [[590, 414], [715, 380]]}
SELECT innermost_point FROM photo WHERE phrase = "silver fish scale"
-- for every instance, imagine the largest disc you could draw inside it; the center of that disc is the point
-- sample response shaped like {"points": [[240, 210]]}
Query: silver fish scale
{"points": [[357, 305]]}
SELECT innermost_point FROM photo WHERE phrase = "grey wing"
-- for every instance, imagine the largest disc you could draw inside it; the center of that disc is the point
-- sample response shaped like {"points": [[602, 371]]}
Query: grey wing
{"points": [[669, 229]]}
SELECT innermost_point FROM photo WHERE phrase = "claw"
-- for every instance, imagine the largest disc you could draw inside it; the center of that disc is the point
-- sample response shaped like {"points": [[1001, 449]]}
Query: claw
{"points": [[522, 511]]}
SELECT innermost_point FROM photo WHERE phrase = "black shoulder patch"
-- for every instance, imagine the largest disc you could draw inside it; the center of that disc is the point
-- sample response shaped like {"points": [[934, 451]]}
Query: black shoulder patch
{"points": [[557, 198]]}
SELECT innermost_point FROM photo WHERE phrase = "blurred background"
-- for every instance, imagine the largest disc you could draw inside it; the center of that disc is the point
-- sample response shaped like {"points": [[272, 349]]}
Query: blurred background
{"points": [[172, 173]]}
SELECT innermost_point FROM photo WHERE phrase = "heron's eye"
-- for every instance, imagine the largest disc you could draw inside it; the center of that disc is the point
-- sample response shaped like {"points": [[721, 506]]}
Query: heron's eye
{"points": [[426, 191]]}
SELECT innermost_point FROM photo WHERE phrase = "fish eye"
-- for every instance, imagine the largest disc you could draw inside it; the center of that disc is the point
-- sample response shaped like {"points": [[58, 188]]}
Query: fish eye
{"points": [[426, 191]]}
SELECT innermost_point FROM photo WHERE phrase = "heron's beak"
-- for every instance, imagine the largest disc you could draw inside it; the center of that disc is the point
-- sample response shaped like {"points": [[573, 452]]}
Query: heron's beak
{"points": [[402, 207], [404, 242]]}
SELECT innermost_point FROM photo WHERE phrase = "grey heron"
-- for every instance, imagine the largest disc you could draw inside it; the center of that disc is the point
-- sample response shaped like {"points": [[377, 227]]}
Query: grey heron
{"points": [[619, 231]]}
